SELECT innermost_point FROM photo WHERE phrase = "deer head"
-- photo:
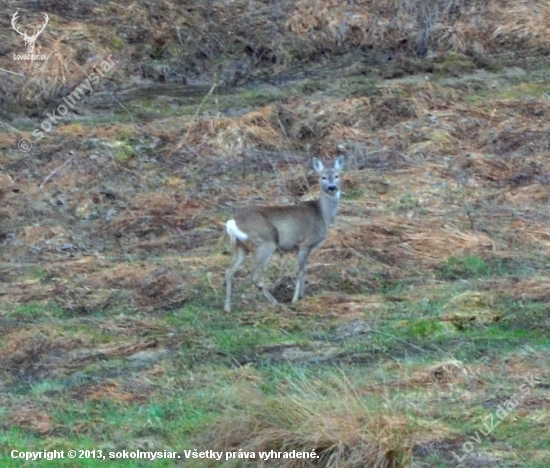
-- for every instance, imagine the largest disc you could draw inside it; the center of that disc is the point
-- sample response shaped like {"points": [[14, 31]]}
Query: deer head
{"points": [[30, 41]]}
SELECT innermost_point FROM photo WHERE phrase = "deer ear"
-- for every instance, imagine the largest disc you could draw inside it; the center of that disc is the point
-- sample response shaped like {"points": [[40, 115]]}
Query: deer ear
{"points": [[318, 165], [339, 163]]}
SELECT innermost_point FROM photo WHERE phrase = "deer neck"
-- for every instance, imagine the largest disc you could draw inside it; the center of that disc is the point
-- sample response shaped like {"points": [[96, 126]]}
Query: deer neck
{"points": [[329, 206]]}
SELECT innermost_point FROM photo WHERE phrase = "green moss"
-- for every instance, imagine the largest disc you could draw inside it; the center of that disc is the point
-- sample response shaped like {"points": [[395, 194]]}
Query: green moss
{"points": [[116, 43], [453, 63], [122, 151]]}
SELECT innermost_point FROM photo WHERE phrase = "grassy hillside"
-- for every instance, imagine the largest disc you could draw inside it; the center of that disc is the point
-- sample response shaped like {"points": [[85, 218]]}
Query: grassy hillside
{"points": [[423, 337]]}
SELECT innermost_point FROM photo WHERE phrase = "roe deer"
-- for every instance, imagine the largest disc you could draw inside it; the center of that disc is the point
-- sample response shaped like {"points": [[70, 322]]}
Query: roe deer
{"points": [[264, 229]]}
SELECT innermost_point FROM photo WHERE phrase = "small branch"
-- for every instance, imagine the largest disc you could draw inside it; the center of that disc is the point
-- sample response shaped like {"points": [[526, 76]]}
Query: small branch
{"points": [[199, 110], [472, 224], [9, 126], [54, 172], [123, 106], [13, 73], [204, 100], [179, 37]]}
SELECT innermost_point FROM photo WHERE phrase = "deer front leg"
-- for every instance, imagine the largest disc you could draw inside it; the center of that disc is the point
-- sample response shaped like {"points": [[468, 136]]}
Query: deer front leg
{"points": [[303, 255]]}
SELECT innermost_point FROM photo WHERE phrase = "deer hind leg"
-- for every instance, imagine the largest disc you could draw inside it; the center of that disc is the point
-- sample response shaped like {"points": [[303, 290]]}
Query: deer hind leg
{"points": [[240, 254], [303, 255], [262, 255]]}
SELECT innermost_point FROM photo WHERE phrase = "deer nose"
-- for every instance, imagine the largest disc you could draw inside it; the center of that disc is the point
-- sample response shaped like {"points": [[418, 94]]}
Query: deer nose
{"points": [[331, 188]]}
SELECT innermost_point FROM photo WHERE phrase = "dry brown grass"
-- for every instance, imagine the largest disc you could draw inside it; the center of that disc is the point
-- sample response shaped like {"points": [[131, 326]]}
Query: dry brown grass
{"points": [[272, 39], [327, 418], [447, 374], [32, 419], [112, 391], [479, 26], [29, 355], [399, 242], [526, 289], [439, 376], [522, 22], [32, 355]]}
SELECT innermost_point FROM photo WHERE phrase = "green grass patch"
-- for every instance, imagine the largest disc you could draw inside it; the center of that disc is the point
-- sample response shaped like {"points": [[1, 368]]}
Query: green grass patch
{"points": [[468, 266], [35, 311]]}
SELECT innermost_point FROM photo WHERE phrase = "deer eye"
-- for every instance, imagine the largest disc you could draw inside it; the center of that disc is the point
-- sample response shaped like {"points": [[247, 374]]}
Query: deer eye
{"points": [[324, 178], [336, 177]]}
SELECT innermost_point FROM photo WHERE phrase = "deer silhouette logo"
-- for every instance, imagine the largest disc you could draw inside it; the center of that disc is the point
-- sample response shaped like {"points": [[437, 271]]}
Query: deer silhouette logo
{"points": [[30, 41]]}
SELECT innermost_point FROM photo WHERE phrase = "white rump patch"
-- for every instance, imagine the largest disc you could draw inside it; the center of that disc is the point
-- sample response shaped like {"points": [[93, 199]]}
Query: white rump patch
{"points": [[234, 231]]}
